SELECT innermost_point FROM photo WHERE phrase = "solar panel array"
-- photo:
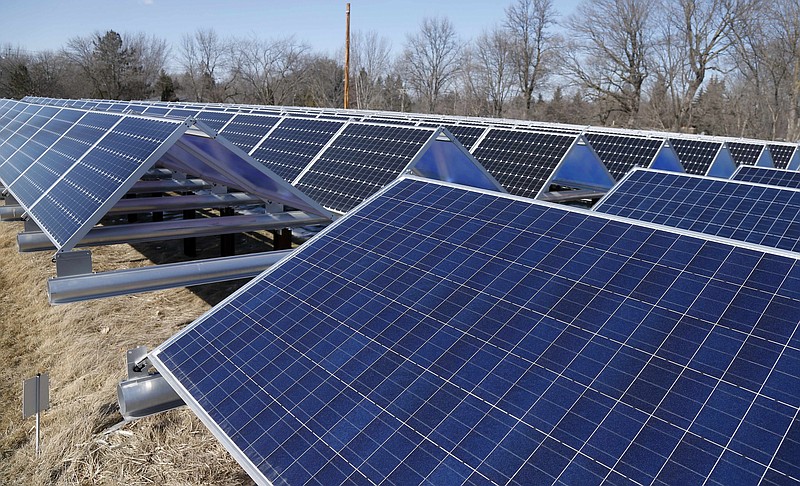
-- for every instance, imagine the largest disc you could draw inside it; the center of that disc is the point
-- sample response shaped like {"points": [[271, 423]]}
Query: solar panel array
{"points": [[620, 154], [782, 154], [522, 162], [759, 214], [764, 175], [745, 153], [442, 335], [696, 156]]}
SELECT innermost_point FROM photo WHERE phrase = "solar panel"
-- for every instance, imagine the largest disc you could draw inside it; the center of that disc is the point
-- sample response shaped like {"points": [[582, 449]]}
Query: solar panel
{"points": [[696, 156], [772, 177], [215, 120], [466, 135], [359, 162], [292, 144], [620, 153], [38, 144], [26, 131], [441, 335], [781, 154], [521, 161], [245, 131], [65, 207], [741, 211], [745, 153], [54, 162]]}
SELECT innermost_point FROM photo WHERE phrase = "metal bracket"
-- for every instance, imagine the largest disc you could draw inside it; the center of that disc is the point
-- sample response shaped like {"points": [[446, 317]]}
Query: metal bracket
{"points": [[72, 263]]}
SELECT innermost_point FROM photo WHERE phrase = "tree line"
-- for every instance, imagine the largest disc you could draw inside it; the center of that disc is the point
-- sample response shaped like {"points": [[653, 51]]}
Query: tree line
{"points": [[721, 67]]}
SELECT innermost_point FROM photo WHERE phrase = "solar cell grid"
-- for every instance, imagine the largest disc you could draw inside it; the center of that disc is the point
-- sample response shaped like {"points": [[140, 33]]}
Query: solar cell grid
{"points": [[522, 161], [745, 153], [65, 207], [25, 132], [215, 120], [466, 135], [757, 214], [444, 336], [359, 162], [293, 143], [620, 154], [245, 131], [781, 155], [696, 156], [59, 157], [772, 177]]}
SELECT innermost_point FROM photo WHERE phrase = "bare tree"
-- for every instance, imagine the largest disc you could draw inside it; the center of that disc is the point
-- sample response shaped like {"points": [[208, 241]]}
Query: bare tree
{"points": [[529, 23], [430, 60], [491, 70], [610, 51], [787, 16], [271, 71], [370, 62], [697, 33], [207, 62]]}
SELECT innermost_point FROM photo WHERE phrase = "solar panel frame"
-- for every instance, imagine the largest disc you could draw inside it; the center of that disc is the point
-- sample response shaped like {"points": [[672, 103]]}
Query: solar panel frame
{"points": [[648, 420]]}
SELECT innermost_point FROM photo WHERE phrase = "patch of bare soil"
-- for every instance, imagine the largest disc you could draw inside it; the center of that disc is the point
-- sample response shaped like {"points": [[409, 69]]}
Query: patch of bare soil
{"points": [[83, 346]]}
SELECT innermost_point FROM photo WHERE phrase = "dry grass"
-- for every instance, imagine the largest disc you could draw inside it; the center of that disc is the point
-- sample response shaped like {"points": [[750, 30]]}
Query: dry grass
{"points": [[83, 346]]}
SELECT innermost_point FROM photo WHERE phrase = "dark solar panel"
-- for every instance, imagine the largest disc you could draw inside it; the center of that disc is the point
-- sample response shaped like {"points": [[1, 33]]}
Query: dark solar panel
{"points": [[781, 154], [522, 161], [762, 215], [60, 156], [245, 131], [75, 198], [744, 153], [439, 335], [215, 120], [620, 153], [466, 135], [362, 160], [293, 143], [772, 177], [696, 156]]}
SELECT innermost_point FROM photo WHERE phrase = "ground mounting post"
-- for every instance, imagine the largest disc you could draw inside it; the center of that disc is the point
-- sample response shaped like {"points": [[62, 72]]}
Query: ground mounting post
{"points": [[35, 399]]}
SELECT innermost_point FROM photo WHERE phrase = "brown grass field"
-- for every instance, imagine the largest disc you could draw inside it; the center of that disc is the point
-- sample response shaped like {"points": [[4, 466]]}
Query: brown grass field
{"points": [[83, 346]]}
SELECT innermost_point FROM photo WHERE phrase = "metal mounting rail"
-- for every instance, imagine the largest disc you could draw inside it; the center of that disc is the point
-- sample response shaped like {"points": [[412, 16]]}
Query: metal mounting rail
{"points": [[77, 288], [170, 230]]}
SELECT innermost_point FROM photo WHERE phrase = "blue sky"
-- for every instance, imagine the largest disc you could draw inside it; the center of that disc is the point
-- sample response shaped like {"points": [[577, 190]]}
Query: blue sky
{"points": [[37, 25]]}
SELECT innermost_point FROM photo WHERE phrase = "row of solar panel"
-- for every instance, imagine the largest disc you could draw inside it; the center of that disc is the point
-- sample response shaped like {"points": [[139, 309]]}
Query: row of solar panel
{"points": [[615, 148], [446, 335]]}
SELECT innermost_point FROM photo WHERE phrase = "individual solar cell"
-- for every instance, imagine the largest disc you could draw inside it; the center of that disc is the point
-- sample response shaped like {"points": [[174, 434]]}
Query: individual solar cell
{"points": [[245, 131], [60, 156], [744, 153], [65, 207], [765, 175], [292, 145], [781, 154], [696, 156], [620, 153], [757, 214], [440, 335], [38, 144], [522, 161], [359, 162]]}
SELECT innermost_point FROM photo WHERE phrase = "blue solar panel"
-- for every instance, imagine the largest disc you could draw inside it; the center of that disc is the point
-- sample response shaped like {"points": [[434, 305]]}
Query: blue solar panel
{"points": [[359, 162], [439, 335], [773, 177], [245, 131], [75, 199], [60, 156], [522, 162], [215, 120], [293, 143], [757, 214], [745, 153]]}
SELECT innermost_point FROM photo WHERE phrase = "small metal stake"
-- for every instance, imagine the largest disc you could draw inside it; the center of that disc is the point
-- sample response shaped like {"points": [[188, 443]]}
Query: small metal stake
{"points": [[35, 398]]}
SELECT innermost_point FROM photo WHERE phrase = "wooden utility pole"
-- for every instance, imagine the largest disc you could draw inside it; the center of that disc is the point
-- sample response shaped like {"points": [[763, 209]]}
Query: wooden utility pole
{"points": [[347, 60]]}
